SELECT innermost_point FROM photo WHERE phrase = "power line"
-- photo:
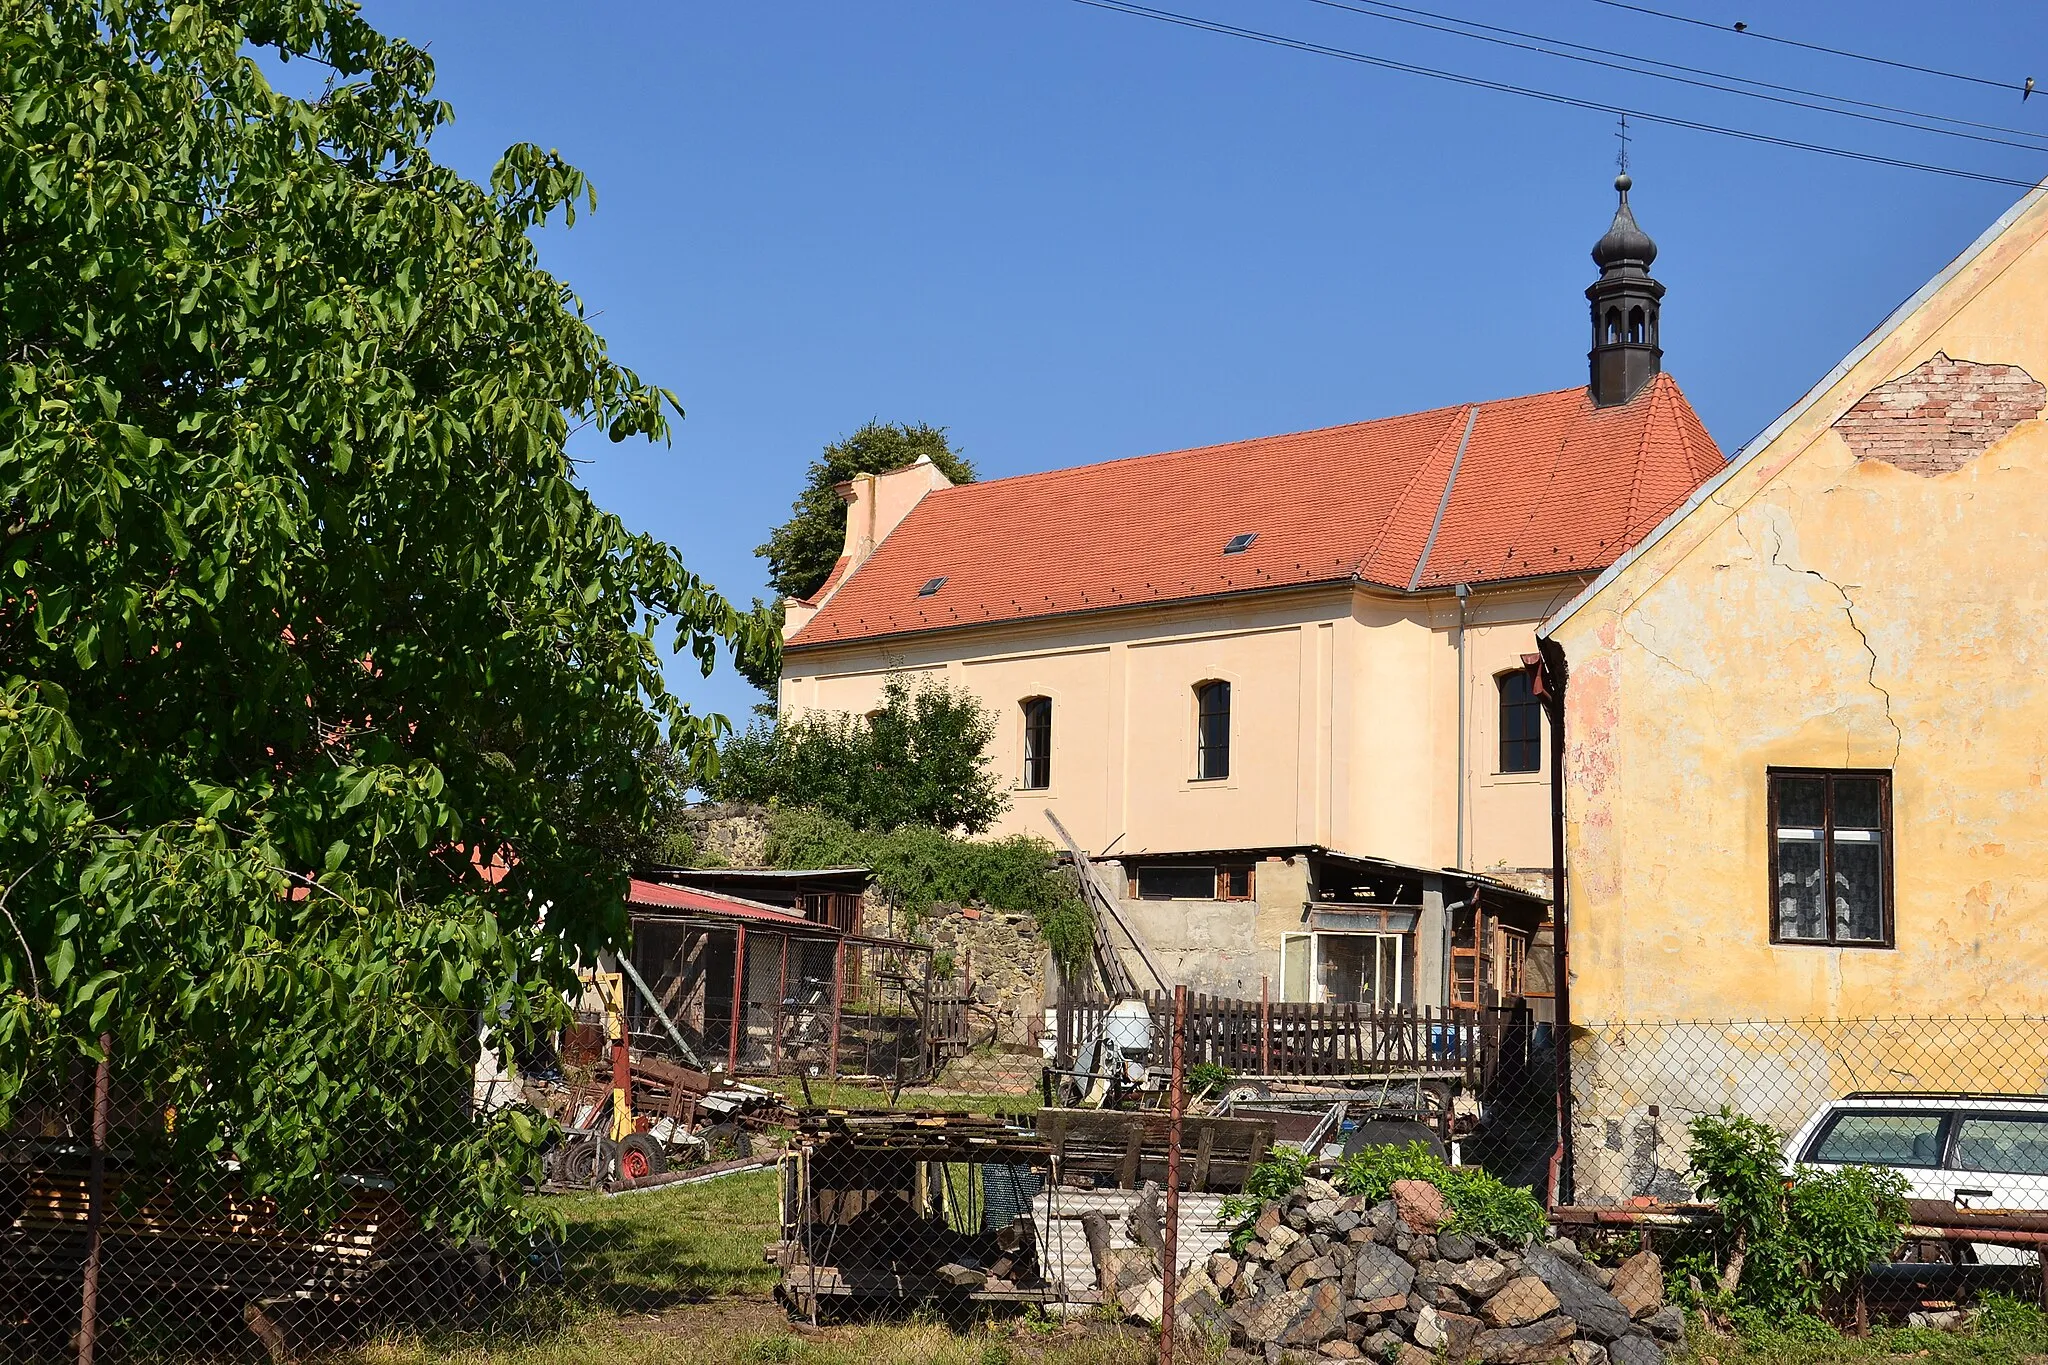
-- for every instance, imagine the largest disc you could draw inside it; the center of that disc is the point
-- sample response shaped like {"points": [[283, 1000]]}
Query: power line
{"points": [[1547, 96], [1748, 32], [1374, 9]]}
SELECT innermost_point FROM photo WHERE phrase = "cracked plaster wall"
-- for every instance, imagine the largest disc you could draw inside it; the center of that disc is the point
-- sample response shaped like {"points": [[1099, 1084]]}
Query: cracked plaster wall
{"points": [[1830, 612]]}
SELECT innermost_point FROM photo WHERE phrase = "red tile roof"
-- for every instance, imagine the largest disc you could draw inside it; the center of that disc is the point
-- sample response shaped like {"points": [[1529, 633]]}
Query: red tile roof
{"points": [[1546, 484]]}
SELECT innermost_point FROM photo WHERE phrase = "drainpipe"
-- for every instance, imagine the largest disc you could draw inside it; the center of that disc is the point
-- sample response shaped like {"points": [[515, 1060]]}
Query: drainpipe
{"points": [[1554, 678], [1464, 591]]}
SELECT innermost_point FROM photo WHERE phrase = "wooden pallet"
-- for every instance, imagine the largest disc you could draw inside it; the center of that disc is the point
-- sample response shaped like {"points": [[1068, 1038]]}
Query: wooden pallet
{"points": [[1127, 1148]]}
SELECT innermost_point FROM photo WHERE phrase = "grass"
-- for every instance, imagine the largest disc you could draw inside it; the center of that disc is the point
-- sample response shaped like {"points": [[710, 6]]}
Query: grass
{"points": [[2007, 1332], [925, 1343], [667, 1246], [845, 1095]]}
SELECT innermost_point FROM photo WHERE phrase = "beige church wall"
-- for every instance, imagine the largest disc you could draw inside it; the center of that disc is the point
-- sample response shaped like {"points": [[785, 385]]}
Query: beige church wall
{"points": [[1834, 612], [1507, 814], [1402, 706], [1344, 714], [1122, 686]]}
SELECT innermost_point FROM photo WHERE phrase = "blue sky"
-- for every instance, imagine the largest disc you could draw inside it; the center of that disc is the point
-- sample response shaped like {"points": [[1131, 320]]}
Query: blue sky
{"points": [[1071, 235]]}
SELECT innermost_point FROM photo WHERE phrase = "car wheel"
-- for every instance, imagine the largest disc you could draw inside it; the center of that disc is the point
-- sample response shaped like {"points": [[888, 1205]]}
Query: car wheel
{"points": [[641, 1156], [583, 1163]]}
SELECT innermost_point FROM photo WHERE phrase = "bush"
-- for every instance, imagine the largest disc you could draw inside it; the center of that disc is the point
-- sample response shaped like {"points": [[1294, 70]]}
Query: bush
{"points": [[1787, 1243], [917, 867], [1480, 1202]]}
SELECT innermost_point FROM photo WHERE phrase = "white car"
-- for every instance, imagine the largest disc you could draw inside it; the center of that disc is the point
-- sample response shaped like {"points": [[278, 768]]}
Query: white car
{"points": [[1980, 1152]]}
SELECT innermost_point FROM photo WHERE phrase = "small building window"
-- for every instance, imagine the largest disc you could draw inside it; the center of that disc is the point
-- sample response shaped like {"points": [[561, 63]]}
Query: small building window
{"points": [[1637, 332], [1037, 743], [1234, 883], [1212, 730], [1831, 873], [1174, 882], [1521, 724], [1613, 326]]}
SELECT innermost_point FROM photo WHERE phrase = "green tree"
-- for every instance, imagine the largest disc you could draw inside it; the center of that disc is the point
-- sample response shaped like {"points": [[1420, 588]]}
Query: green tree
{"points": [[801, 551], [331, 707], [920, 759]]}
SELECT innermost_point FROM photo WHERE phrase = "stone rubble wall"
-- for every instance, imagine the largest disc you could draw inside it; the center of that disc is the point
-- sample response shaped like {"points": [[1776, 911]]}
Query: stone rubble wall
{"points": [[1005, 957]]}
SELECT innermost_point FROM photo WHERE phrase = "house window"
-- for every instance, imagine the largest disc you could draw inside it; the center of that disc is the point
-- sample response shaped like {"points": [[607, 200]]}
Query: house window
{"points": [[1175, 882], [1831, 875], [1212, 730], [1234, 883], [1037, 743], [1521, 724]]}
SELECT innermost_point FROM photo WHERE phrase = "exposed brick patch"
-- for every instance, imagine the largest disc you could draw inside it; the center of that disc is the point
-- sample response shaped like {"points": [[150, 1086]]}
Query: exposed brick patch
{"points": [[1941, 414]]}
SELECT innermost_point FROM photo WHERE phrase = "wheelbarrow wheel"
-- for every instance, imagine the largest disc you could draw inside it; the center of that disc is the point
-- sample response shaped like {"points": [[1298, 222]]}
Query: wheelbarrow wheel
{"points": [[641, 1156]]}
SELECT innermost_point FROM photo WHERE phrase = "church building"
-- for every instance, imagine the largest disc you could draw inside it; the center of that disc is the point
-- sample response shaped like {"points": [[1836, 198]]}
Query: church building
{"points": [[1282, 688]]}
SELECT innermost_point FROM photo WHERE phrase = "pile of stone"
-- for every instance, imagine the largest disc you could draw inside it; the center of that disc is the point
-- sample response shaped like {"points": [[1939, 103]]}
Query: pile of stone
{"points": [[1338, 1278]]}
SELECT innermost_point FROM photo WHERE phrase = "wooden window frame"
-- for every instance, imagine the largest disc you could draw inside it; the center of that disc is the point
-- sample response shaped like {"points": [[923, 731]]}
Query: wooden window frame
{"points": [[1886, 910], [1512, 962], [1501, 682], [1138, 880], [1203, 749], [1039, 758], [1251, 881]]}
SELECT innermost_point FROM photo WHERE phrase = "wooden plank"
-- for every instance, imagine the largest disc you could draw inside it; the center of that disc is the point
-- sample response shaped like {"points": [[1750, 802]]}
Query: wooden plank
{"points": [[1205, 1148], [1116, 977], [1127, 1174]]}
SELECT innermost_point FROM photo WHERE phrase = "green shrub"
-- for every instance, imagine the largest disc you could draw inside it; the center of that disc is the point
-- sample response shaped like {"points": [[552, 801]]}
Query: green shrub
{"points": [[1480, 1202], [1207, 1076], [1784, 1244], [918, 866], [2002, 1315]]}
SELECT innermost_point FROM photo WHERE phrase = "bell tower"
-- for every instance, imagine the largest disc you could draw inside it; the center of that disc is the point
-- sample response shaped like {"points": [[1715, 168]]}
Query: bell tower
{"points": [[1625, 304]]}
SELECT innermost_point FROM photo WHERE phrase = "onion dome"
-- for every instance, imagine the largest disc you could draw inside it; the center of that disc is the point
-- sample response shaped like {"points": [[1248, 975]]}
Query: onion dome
{"points": [[1624, 244]]}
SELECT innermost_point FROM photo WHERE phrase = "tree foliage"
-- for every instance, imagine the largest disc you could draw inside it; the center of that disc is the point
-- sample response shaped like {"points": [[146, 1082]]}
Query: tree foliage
{"points": [[919, 759], [323, 681], [801, 551]]}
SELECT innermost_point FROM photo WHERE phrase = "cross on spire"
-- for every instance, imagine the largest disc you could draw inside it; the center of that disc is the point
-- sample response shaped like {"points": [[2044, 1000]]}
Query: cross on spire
{"points": [[1621, 157]]}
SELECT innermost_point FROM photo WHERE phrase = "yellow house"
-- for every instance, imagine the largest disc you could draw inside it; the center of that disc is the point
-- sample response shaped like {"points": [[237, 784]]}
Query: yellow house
{"points": [[1803, 735], [1284, 682]]}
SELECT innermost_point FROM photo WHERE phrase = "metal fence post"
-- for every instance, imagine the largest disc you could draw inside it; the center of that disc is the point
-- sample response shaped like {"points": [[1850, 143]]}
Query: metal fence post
{"points": [[1169, 1273], [838, 994], [739, 1000], [95, 1198]]}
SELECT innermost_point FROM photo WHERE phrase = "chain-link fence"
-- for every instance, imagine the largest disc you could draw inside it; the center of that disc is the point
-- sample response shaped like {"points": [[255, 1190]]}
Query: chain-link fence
{"points": [[985, 1175]]}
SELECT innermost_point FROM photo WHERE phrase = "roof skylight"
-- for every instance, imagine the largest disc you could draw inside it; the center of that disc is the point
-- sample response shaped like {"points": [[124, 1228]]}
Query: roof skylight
{"points": [[1239, 544], [932, 587]]}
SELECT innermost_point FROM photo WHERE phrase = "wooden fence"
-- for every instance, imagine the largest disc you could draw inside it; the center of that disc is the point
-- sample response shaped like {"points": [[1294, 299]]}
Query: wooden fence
{"points": [[1290, 1038]]}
